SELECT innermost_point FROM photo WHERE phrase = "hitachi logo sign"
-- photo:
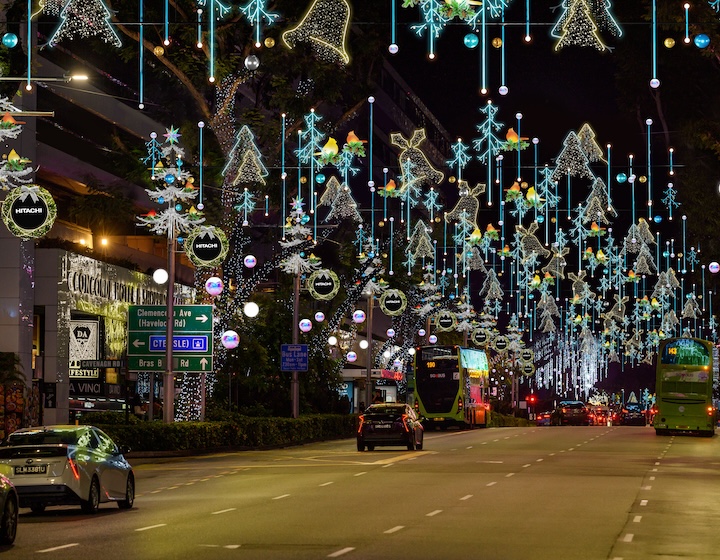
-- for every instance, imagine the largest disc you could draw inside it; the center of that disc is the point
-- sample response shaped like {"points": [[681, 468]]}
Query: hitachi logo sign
{"points": [[29, 210], [206, 245]]}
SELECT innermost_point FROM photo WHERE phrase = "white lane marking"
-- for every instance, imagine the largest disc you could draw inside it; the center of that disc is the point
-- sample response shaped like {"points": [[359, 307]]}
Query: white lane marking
{"points": [[151, 527], [653, 470], [643, 502], [646, 488], [388, 465], [492, 462], [652, 478], [637, 519], [360, 473], [484, 443], [539, 460], [491, 484], [394, 529], [552, 454], [281, 497], [433, 513], [173, 487], [59, 547], [508, 475], [469, 447], [657, 463], [223, 511], [466, 497], [628, 538], [571, 449], [232, 546], [527, 465], [155, 491], [341, 552], [326, 484]]}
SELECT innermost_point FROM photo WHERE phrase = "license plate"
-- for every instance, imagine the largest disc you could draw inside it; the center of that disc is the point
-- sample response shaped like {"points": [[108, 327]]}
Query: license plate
{"points": [[31, 469], [439, 419], [383, 426]]}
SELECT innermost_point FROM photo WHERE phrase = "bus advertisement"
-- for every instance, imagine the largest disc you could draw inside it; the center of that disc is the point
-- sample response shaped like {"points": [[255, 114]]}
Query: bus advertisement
{"points": [[684, 383], [449, 384]]}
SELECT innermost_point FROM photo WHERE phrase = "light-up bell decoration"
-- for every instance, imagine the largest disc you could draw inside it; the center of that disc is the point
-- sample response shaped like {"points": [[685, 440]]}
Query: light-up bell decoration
{"points": [[325, 26]]}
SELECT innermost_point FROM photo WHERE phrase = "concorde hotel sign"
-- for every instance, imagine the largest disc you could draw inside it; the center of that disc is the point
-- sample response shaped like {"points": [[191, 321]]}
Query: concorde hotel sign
{"points": [[80, 314]]}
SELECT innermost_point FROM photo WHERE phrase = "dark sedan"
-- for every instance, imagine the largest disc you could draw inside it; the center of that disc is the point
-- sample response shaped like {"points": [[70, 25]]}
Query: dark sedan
{"points": [[389, 424], [632, 416], [570, 413]]}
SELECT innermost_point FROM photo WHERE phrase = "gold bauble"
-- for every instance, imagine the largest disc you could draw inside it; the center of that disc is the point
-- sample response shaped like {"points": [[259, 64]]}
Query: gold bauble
{"points": [[303, 180], [381, 224], [437, 219], [669, 42], [497, 42], [451, 179], [158, 51], [553, 220], [269, 42], [524, 185], [642, 179]]}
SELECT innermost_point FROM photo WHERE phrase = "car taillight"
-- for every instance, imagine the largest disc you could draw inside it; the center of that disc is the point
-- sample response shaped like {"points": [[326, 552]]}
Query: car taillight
{"points": [[74, 468], [404, 422], [710, 410], [460, 404], [417, 406], [362, 421]]}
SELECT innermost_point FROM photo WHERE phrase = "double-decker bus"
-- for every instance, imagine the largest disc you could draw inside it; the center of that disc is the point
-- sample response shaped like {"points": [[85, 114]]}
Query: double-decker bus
{"points": [[683, 387], [449, 383]]}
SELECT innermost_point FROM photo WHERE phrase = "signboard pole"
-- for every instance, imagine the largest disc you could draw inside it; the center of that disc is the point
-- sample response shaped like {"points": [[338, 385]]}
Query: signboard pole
{"points": [[368, 371], [169, 378], [295, 383]]}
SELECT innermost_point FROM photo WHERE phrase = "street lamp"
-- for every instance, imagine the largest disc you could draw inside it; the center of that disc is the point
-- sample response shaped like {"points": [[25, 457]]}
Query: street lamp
{"points": [[66, 78]]}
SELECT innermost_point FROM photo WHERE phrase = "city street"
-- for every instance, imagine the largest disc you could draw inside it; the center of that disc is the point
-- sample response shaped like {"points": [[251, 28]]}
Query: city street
{"points": [[592, 492]]}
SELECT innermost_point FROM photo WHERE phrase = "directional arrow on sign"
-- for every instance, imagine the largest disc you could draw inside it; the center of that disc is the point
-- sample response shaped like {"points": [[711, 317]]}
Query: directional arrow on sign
{"points": [[203, 363], [202, 318], [137, 343]]}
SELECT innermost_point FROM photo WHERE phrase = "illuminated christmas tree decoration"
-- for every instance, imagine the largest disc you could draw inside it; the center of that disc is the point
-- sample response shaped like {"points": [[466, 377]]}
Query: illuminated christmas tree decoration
{"points": [[85, 18], [572, 160], [325, 27], [589, 144], [256, 12], [576, 26]]}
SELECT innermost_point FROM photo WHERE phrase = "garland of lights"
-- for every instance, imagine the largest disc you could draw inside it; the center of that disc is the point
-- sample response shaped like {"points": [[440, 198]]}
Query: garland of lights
{"points": [[30, 196]]}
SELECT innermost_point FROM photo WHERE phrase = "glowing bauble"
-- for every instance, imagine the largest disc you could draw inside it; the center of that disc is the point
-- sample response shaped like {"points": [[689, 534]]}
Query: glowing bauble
{"points": [[390, 333], [503, 90], [359, 316], [497, 42], [471, 40], [432, 339], [320, 178], [669, 42], [657, 219], [252, 62], [364, 344], [158, 51], [214, 286], [540, 219], [269, 42], [251, 309], [714, 267], [332, 340], [421, 332], [397, 363], [169, 178], [160, 276], [10, 40], [393, 49], [319, 317], [701, 41], [250, 261], [230, 339], [351, 356], [305, 325], [621, 177], [654, 83]]}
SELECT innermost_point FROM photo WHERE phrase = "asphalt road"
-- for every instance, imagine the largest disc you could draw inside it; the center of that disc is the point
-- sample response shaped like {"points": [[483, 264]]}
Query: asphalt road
{"points": [[508, 494]]}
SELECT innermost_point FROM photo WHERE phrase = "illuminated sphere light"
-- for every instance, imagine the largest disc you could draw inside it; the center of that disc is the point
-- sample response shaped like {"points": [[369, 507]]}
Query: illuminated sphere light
{"points": [[503, 90], [621, 177], [319, 317], [252, 62], [332, 341], [497, 42], [169, 178], [421, 332], [178, 207], [160, 276], [359, 316], [657, 219], [471, 40], [390, 333], [669, 43], [654, 83], [250, 261], [158, 51], [432, 339], [701, 40], [540, 219], [10, 40], [269, 42], [364, 344], [305, 325], [214, 286], [201, 206], [411, 351], [393, 49], [397, 363], [714, 267], [320, 178], [251, 309], [230, 339], [351, 356]]}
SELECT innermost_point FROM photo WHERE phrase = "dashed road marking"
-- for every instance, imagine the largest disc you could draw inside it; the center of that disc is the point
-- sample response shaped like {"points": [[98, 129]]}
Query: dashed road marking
{"points": [[466, 497], [491, 484], [508, 475], [151, 527], [628, 538], [326, 484], [340, 552], [643, 502], [223, 511], [53, 549], [394, 529], [360, 473], [637, 519], [281, 496], [433, 513]]}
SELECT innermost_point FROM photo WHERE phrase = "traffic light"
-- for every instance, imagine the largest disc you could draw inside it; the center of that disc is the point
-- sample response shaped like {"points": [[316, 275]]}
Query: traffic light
{"points": [[531, 399]]}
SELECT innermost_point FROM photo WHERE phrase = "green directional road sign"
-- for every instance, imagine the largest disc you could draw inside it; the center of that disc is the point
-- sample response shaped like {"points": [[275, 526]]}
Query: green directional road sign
{"points": [[192, 338]]}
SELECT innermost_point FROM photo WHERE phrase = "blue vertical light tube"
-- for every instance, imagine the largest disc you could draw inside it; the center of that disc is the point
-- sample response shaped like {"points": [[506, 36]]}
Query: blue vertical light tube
{"points": [[684, 231], [649, 123], [28, 86], [393, 19], [527, 22], [385, 198], [141, 48], [483, 54], [283, 173], [167, 19], [211, 17], [201, 128], [654, 81], [502, 52], [609, 175], [518, 116], [299, 183]]}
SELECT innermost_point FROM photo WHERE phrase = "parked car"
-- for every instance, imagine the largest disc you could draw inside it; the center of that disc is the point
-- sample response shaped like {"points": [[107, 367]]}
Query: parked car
{"points": [[632, 415], [389, 424], [570, 413], [543, 418], [8, 511], [61, 465]]}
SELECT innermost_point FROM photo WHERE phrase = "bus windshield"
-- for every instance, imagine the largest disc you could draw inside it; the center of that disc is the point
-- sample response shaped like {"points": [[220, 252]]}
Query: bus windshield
{"points": [[437, 378]]}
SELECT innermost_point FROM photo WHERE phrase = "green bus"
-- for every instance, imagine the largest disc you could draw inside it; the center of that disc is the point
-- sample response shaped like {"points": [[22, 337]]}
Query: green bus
{"points": [[684, 384], [449, 384]]}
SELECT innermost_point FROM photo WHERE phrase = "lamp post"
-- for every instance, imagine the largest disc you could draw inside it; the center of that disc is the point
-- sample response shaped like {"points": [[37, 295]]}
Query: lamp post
{"points": [[368, 370], [295, 382], [169, 377]]}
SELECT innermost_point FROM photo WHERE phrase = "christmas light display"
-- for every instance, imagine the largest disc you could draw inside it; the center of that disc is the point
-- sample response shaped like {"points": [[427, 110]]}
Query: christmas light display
{"points": [[256, 12], [576, 26], [325, 27], [85, 18]]}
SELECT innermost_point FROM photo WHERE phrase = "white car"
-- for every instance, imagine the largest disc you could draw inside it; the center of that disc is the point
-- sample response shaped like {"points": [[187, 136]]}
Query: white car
{"points": [[61, 465]]}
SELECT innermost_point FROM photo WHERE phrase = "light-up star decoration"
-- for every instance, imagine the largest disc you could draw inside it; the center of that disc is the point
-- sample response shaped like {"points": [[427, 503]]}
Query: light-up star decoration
{"points": [[85, 18], [325, 27], [172, 135]]}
